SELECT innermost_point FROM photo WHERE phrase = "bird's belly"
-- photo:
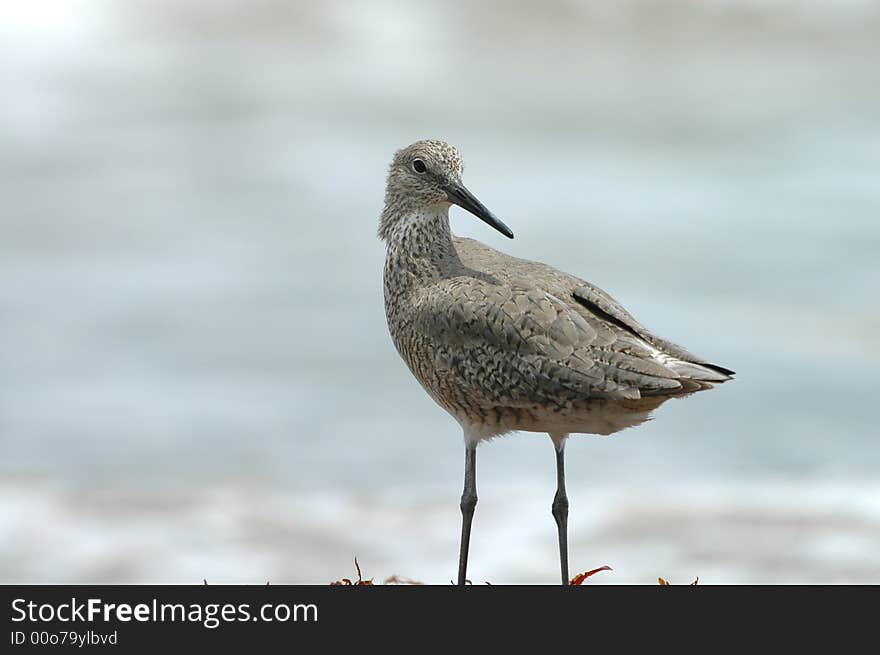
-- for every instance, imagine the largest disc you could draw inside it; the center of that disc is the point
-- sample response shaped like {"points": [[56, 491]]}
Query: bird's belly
{"points": [[599, 416]]}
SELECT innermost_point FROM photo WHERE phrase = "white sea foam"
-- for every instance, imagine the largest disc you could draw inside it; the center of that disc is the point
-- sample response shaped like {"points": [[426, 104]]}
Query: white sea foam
{"points": [[724, 534]]}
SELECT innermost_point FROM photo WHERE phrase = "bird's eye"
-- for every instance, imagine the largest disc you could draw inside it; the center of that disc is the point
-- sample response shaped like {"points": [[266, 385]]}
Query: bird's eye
{"points": [[419, 166]]}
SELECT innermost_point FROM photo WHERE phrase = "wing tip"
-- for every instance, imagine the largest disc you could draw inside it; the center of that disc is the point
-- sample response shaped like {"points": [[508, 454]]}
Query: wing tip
{"points": [[702, 371], [726, 372]]}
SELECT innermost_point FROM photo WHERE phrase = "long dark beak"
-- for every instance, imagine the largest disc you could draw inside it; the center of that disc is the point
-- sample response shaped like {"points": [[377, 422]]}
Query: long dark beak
{"points": [[459, 195]]}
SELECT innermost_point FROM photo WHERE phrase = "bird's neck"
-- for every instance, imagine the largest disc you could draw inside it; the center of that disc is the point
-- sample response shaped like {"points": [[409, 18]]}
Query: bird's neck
{"points": [[419, 244]]}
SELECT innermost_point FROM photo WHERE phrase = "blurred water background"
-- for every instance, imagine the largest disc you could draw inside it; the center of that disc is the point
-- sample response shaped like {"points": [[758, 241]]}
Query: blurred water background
{"points": [[195, 375]]}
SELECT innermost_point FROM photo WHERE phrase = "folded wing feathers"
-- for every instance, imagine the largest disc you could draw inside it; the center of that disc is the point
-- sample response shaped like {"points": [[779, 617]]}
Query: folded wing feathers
{"points": [[668, 354], [578, 334]]}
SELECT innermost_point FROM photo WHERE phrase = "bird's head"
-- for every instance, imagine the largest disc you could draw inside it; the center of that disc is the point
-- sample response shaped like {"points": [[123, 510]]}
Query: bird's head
{"points": [[426, 176]]}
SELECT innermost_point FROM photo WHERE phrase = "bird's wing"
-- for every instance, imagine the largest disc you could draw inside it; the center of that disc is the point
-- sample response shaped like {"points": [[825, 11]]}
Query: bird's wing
{"points": [[598, 308], [533, 346]]}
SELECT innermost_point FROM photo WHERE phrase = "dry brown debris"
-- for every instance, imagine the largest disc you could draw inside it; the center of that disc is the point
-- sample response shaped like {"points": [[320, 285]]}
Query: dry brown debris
{"points": [[580, 578], [345, 582], [665, 583]]}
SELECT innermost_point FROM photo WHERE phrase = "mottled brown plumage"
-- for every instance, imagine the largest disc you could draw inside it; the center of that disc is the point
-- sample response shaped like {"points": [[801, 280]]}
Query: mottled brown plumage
{"points": [[508, 344]]}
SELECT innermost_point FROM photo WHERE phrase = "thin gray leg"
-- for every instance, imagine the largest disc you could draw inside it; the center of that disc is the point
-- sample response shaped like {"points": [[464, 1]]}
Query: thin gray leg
{"points": [[468, 503], [560, 510]]}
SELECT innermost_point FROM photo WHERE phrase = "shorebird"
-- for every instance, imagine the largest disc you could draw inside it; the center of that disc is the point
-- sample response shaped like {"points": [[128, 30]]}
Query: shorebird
{"points": [[505, 344]]}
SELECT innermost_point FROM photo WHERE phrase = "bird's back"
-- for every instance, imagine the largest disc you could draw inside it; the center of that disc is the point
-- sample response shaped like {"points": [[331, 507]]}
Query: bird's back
{"points": [[615, 326]]}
